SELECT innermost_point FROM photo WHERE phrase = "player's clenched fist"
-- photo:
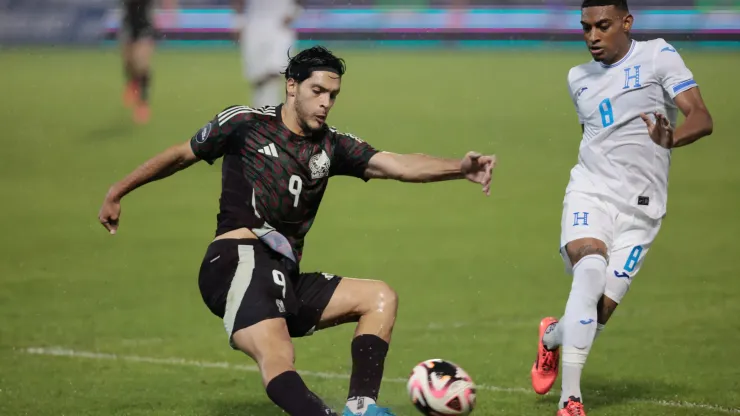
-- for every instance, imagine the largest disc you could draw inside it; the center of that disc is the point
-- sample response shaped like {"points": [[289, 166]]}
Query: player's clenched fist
{"points": [[478, 168], [109, 214]]}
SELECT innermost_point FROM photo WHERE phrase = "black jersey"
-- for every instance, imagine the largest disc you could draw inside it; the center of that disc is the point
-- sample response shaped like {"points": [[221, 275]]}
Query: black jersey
{"points": [[272, 179], [137, 21]]}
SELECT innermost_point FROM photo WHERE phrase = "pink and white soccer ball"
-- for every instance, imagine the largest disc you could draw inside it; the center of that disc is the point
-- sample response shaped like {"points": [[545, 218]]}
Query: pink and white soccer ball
{"points": [[441, 388]]}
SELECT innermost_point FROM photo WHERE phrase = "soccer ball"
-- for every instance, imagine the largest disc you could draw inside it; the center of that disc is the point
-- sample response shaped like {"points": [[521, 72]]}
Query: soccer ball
{"points": [[441, 388]]}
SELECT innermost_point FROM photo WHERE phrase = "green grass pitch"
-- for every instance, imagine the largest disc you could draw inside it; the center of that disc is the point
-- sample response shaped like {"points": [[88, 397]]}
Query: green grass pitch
{"points": [[117, 323]]}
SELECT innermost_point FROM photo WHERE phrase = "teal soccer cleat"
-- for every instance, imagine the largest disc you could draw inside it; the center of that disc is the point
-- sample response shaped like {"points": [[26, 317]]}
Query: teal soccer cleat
{"points": [[372, 410]]}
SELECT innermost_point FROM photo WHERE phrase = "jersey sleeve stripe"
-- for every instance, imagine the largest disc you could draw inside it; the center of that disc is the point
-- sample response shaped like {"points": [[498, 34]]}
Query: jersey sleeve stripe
{"points": [[683, 86], [228, 114], [264, 110]]}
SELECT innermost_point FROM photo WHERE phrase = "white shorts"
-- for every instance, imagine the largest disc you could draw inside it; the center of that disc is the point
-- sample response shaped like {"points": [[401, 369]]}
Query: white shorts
{"points": [[627, 235], [265, 47]]}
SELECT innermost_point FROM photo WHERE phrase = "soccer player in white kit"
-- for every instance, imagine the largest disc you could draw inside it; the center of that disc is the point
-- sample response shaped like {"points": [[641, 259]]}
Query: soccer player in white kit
{"points": [[266, 35], [627, 100]]}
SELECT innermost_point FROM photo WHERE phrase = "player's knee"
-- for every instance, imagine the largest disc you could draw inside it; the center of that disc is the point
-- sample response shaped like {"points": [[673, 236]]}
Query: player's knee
{"points": [[266, 340], [382, 298], [390, 298], [579, 249], [576, 257], [272, 365], [277, 361], [273, 360]]}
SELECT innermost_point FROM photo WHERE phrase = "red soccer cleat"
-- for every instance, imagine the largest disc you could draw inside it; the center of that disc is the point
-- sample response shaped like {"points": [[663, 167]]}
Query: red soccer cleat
{"points": [[573, 408], [545, 367], [141, 113]]}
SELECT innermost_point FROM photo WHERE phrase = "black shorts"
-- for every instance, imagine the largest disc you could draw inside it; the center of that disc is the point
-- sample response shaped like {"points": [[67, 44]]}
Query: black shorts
{"points": [[137, 21], [245, 282]]}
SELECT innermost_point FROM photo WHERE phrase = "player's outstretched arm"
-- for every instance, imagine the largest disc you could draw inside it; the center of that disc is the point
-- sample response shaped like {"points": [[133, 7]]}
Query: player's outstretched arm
{"points": [[174, 159], [419, 168]]}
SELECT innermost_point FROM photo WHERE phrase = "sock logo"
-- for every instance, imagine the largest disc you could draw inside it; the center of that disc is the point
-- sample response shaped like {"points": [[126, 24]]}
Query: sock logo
{"points": [[584, 322], [360, 403], [621, 275]]}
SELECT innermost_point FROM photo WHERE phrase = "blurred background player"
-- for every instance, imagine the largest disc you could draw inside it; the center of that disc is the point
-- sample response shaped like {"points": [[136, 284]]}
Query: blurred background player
{"points": [[266, 35], [627, 100], [137, 46]]}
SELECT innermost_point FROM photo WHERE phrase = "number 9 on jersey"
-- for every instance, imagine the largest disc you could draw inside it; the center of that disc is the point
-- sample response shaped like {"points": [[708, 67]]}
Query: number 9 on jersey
{"points": [[295, 185]]}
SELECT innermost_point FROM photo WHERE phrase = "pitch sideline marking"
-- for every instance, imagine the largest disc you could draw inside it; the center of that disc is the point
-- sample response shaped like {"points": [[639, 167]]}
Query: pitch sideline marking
{"points": [[65, 352]]}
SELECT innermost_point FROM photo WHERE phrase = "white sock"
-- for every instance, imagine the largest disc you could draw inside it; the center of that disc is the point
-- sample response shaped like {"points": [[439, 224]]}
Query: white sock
{"points": [[269, 92], [554, 338], [571, 380], [599, 328], [579, 322], [359, 404]]}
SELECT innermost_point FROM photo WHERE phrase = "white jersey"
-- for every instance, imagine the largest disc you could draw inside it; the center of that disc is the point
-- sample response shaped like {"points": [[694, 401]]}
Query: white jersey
{"points": [[271, 11], [617, 158], [267, 39]]}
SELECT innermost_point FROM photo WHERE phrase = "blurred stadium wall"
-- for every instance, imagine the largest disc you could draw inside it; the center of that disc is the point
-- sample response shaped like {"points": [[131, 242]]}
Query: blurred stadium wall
{"points": [[406, 23]]}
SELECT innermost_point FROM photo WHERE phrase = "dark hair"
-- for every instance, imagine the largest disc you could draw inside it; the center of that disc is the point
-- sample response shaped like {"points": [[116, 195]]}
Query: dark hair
{"points": [[317, 58], [619, 4]]}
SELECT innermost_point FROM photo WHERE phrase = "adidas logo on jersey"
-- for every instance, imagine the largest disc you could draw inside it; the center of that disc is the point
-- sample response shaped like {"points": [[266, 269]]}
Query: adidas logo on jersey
{"points": [[269, 150]]}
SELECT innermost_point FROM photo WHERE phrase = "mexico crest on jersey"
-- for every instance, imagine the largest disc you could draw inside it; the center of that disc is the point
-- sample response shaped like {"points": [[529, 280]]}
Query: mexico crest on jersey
{"points": [[319, 165]]}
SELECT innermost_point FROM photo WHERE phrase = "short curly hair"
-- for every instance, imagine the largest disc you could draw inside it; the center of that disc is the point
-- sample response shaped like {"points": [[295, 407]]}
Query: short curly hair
{"points": [[619, 4], [317, 58]]}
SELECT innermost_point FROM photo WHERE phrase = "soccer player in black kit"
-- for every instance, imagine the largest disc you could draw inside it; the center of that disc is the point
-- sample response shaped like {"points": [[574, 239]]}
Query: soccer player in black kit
{"points": [[277, 162], [137, 46]]}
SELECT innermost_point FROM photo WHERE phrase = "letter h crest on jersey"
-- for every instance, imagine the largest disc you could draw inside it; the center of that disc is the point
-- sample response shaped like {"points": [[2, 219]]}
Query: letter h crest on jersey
{"points": [[632, 76], [580, 218]]}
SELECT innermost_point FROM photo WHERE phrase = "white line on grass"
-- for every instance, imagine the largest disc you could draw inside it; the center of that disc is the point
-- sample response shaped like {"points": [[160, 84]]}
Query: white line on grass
{"points": [[64, 352]]}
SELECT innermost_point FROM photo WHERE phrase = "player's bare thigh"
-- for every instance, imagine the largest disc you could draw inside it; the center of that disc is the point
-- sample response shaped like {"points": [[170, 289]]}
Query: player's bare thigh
{"points": [[372, 303], [268, 342], [142, 50]]}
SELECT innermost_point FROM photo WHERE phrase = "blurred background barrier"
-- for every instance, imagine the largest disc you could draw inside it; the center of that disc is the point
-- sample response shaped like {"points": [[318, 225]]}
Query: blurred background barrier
{"points": [[374, 21]]}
